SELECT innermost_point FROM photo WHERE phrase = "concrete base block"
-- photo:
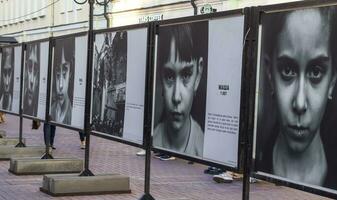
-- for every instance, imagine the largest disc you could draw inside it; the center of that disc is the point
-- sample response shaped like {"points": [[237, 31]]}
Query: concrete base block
{"points": [[11, 141], [6, 152], [73, 184], [2, 133], [30, 166]]}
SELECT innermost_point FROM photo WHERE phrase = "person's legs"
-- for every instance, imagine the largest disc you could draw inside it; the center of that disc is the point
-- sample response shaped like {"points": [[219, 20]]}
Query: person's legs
{"points": [[52, 135], [82, 138], [81, 134], [46, 133], [2, 117]]}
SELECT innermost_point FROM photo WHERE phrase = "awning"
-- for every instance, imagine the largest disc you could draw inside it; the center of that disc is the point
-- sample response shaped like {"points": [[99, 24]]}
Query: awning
{"points": [[7, 40]]}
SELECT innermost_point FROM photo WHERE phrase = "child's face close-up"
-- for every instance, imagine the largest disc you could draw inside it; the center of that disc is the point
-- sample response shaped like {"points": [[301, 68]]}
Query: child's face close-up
{"points": [[302, 76], [179, 78]]}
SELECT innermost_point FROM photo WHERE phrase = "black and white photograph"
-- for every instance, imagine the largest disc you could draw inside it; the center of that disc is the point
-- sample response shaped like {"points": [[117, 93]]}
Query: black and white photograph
{"points": [[31, 80], [109, 83], [297, 101], [7, 78], [118, 89], [63, 81], [180, 96]]}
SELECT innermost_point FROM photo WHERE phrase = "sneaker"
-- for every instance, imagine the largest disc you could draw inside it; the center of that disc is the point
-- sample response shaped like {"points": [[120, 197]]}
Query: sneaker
{"points": [[252, 180], [141, 153], [213, 171], [53, 147], [82, 144], [167, 157], [158, 155], [235, 175], [50, 150], [223, 178]]}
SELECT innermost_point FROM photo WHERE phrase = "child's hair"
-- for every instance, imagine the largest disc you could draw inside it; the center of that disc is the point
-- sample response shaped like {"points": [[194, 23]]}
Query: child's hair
{"points": [[34, 47], [68, 46], [7, 56], [273, 24], [189, 39]]}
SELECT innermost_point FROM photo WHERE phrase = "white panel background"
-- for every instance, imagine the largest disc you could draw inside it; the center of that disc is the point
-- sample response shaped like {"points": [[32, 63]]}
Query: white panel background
{"points": [[77, 119], [17, 78], [224, 68], [44, 53], [135, 85]]}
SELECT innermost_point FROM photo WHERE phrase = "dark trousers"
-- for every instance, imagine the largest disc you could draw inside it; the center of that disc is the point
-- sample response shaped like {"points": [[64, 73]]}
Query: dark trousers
{"points": [[49, 134], [82, 135]]}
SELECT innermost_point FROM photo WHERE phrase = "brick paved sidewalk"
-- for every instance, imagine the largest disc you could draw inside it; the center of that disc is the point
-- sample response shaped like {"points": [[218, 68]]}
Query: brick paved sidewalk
{"points": [[171, 180]]}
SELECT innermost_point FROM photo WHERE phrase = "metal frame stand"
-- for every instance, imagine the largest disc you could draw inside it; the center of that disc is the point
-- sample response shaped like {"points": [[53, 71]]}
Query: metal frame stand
{"points": [[147, 195], [47, 154], [21, 144], [250, 64], [87, 128], [148, 112]]}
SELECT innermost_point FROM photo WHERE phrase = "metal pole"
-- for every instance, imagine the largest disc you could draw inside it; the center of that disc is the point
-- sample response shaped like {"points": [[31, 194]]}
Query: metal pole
{"points": [[21, 144], [47, 154], [195, 8], [148, 112], [147, 166], [246, 165], [106, 15], [250, 66], [87, 128]]}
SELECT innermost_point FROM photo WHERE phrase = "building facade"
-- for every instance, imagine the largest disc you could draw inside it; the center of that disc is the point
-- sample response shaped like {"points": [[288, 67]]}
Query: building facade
{"points": [[28, 20]]}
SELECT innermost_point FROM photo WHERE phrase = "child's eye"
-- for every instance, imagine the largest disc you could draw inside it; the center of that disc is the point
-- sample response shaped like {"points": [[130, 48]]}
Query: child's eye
{"points": [[287, 68], [186, 74], [316, 73]]}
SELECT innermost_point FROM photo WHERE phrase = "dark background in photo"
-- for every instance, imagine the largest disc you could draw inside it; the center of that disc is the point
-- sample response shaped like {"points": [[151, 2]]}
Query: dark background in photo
{"points": [[109, 84]]}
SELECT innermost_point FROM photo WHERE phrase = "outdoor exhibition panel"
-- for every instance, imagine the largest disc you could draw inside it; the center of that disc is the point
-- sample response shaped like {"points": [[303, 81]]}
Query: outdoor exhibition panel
{"points": [[295, 141], [119, 78], [10, 79], [68, 80], [198, 88], [35, 75]]}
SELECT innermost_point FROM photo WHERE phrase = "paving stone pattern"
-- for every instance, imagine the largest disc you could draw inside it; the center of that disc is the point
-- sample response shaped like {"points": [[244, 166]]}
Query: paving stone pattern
{"points": [[170, 180]]}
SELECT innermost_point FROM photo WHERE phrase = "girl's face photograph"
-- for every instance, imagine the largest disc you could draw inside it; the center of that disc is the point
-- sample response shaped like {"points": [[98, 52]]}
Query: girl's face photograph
{"points": [[302, 76]]}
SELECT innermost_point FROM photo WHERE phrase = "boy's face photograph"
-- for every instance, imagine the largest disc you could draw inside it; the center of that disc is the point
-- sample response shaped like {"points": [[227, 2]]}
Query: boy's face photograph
{"points": [[302, 76], [179, 79], [62, 79]]}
